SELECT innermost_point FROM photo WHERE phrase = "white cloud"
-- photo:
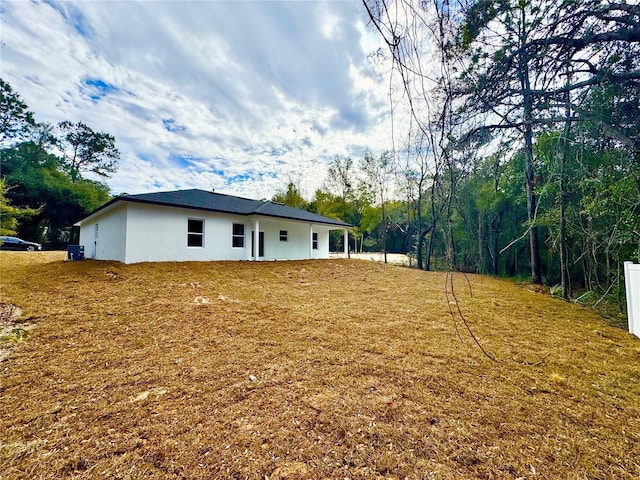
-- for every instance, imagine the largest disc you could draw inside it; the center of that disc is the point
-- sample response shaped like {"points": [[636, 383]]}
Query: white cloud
{"points": [[242, 97]]}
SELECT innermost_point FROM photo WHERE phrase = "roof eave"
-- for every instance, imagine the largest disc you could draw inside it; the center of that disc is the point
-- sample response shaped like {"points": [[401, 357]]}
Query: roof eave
{"points": [[101, 208]]}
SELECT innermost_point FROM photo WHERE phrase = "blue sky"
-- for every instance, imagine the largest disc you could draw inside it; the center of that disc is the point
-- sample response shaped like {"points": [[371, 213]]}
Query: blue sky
{"points": [[241, 96]]}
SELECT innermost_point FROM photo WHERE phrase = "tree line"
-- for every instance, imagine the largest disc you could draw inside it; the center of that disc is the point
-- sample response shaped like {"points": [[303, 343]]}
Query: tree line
{"points": [[537, 99], [522, 157], [43, 189]]}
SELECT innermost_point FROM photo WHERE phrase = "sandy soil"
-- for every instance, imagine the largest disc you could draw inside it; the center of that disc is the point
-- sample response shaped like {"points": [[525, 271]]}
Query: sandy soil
{"points": [[392, 258]]}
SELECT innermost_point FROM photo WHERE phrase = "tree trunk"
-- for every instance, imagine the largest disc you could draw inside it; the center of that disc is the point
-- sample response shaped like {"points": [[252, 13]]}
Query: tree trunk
{"points": [[564, 268], [525, 84], [495, 258], [564, 281], [481, 268], [493, 250], [421, 242], [420, 234], [427, 265], [534, 248]]}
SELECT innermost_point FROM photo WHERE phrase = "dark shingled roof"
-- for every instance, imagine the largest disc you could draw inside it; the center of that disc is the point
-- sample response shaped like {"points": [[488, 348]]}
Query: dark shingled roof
{"points": [[217, 202]]}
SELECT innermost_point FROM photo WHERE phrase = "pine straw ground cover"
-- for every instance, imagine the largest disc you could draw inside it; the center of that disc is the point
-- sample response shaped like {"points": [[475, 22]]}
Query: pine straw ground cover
{"points": [[306, 370]]}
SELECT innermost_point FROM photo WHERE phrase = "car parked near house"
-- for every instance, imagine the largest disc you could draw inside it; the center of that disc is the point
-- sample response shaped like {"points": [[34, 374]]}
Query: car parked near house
{"points": [[15, 243]]}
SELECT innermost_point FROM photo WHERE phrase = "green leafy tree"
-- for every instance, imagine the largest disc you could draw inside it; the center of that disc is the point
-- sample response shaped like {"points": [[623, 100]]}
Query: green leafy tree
{"points": [[10, 216], [36, 181], [291, 197], [41, 194], [328, 205], [15, 117], [340, 177], [84, 150], [376, 172], [371, 223], [482, 205]]}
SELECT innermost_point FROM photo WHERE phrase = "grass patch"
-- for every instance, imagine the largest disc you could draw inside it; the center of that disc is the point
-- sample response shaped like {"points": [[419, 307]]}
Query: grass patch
{"points": [[15, 335], [310, 369]]}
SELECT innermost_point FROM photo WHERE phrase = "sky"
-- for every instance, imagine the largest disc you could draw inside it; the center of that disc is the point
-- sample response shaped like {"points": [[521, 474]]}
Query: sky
{"points": [[238, 96]]}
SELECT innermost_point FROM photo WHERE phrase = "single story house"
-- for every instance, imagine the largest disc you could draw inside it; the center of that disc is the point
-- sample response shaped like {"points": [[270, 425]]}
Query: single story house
{"points": [[186, 225]]}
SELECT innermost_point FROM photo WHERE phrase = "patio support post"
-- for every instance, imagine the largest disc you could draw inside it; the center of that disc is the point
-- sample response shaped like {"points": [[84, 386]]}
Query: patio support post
{"points": [[346, 243]]}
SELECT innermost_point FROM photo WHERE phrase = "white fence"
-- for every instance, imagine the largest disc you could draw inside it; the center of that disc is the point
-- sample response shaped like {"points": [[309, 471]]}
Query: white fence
{"points": [[632, 286]]}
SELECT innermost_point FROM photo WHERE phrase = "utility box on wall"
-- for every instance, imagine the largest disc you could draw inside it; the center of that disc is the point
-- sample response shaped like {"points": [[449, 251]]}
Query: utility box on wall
{"points": [[75, 252], [632, 286]]}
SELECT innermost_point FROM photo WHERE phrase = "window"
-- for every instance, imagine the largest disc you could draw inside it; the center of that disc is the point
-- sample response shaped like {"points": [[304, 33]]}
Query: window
{"points": [[238, 235], [195, 233], [314, 243], [283, 235]]}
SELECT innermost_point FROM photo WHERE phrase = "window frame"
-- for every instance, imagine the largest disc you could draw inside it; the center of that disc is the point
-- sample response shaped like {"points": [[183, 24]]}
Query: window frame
{"points": [[194, 234], [284, 235], [237, 237], [314, 241]]}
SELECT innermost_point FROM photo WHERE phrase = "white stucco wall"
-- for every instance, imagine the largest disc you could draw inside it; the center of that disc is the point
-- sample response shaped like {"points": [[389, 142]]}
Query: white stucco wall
{"points": [[323, 242], [107, 242], [136, 232], [298, 237], [159, 234]]}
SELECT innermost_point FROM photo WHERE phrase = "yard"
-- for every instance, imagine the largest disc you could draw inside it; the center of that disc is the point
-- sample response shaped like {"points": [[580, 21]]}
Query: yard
{"points": [[327, 369]]}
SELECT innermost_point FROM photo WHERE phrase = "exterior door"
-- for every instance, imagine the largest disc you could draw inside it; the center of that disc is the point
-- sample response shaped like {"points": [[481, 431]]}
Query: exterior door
{"points": [[260, 244]]}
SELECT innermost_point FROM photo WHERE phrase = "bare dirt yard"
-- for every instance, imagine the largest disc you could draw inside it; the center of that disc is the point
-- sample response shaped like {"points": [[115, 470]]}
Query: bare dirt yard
{"points": [[328, 369]]}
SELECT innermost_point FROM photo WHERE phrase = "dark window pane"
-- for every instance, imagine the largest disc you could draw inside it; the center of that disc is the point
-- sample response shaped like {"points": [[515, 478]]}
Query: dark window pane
{"points": [[194, 240], [238, 229], [196, 226], [238, 242]]}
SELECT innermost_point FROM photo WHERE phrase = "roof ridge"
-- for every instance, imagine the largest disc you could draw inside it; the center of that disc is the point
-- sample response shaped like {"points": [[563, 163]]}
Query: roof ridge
{"points": [[212, 192], [262, 204]]}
